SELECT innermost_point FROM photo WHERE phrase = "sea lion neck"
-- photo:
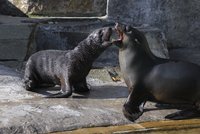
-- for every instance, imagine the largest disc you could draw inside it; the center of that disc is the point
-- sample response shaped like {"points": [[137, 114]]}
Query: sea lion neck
{"points": [[88, 48], [144, 46], [137, 52]]}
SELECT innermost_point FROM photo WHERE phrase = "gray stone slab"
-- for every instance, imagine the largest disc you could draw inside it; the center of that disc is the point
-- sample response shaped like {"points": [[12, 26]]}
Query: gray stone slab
{"points": [[27, 112], [13, 49], [4, 20], [12, 63], [18, 31]]}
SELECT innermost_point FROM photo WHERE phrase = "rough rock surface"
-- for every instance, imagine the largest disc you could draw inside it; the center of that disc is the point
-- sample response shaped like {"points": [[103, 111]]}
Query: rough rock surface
{"points": [[66, 8], [29, 112], [178, 19]]}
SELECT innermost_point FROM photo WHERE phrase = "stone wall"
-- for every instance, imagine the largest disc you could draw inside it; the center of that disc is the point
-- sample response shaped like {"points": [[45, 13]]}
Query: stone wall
{"points": [[65, 8], [179, 19]]}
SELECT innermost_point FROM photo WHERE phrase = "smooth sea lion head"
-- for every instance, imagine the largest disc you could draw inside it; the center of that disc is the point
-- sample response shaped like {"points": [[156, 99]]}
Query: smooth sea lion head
{"points": [[128, 36], [100, 38]]}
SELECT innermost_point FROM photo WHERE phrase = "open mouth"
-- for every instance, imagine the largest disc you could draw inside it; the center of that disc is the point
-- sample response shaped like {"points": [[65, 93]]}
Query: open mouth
{"points": [[119, 31], [114, 35], [108, 34]]}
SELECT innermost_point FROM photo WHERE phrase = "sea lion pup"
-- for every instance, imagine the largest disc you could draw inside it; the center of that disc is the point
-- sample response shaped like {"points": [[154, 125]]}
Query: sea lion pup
{"points": [[150, 78], [66, 68]]}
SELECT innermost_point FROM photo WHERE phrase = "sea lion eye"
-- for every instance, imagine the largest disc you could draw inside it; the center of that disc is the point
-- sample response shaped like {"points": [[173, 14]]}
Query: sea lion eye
{"points": [[137, 41], [128, 28]]}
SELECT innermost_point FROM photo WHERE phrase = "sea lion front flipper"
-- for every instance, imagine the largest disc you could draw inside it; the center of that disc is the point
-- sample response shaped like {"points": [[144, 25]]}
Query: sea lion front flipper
{"points": [[133, 107], [30, 78], [132, 113]]}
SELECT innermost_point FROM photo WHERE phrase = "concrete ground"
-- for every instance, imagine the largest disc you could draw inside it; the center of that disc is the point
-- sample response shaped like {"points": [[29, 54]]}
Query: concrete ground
{"points": [[26, 112]]}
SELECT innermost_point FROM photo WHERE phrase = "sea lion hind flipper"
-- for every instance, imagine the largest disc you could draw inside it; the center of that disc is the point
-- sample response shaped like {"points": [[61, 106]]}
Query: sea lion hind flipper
{"points": [[184, 114], [60, 95]]}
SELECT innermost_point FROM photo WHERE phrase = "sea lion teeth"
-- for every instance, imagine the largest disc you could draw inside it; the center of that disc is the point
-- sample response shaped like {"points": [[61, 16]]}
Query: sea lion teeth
{"points": [[119, 30]]}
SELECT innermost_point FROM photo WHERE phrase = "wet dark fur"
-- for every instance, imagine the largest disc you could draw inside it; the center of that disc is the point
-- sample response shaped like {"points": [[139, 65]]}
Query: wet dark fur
{"points": [[150, 78], [66, 68]]}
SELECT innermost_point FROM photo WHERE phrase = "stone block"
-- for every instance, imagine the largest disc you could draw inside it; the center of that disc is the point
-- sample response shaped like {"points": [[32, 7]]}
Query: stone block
{"points": [[66, 8], [17, 31], [13, 49]]}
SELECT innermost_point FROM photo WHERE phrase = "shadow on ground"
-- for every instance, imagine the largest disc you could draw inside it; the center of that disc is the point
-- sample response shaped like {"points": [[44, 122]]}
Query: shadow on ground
{"points": [[96, 92]]}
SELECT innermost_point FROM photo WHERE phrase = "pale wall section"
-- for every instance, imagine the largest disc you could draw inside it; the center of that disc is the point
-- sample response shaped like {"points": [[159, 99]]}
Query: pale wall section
{"points": [[6, 8], [65, 8], [179, 19]]}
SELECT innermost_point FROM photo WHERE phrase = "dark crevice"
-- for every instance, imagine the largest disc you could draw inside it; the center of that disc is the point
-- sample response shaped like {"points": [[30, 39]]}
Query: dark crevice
{"points": [[9, 60]]}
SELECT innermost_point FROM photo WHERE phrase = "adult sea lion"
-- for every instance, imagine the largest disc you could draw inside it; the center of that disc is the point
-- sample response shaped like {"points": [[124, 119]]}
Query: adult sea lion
{"points": [[66, 68], [150, 78]]}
